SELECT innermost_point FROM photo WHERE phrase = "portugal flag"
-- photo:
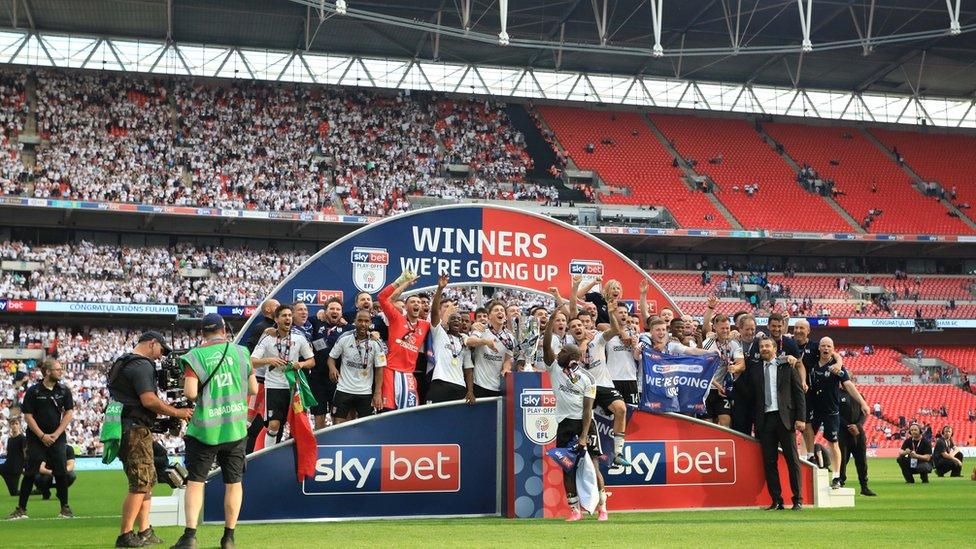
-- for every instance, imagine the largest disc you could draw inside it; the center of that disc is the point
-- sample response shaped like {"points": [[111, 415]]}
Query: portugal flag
{"points": [[301, 430]]}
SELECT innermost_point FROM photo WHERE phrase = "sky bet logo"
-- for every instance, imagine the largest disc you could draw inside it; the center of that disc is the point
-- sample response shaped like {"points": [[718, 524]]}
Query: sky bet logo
{"points": [[676, 463], [367, 255], [586, 267], [386, 468], [315, 297]]}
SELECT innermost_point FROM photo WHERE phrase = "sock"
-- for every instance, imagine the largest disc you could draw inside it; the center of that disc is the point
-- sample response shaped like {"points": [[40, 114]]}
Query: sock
{"points": [[228, 533], [573, 501], [618, 443], [603, 499], [26, 485], [61, 486], [190, 532], [270, 439]]}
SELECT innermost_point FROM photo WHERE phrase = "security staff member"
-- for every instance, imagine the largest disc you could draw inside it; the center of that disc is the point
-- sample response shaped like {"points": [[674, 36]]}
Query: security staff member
{"points": [[132, 383], [853, 441], [48, 409], [915, 456], [218, 380]]}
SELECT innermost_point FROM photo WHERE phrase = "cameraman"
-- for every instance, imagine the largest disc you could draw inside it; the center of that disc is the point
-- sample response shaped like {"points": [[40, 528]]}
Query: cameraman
{"points": [[218, 380], [132, 382]]}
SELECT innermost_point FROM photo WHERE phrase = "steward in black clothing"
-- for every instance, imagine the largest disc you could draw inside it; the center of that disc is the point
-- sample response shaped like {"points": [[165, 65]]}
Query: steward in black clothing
{"points": [[947, 458], [916, 456], [853, 441]]}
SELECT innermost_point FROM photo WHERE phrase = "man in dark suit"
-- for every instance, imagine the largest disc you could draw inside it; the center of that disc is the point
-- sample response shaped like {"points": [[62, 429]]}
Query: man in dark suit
{"points": [[780, 408], [853, 441]]}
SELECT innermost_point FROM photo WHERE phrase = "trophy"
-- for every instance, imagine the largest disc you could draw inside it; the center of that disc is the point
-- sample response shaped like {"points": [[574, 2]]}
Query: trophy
{"points": [[526, 333]]}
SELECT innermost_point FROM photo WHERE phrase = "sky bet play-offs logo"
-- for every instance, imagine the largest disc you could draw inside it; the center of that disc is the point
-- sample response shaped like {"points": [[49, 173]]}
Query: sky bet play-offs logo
{"points": [[369, 268], [385, 468], [676, 463], [538, 415]]}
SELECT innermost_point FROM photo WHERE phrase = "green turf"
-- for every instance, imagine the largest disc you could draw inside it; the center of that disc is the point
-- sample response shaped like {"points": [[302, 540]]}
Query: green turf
{"points": [[942, 513]]}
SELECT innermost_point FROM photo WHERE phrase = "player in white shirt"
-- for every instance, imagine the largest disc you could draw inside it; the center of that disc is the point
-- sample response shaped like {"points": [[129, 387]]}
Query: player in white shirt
{"points": [[359, 388], [276, 352], [594, 360], [492, 359], [575, 393], [453, 377], [717, 403], [621, 356]]}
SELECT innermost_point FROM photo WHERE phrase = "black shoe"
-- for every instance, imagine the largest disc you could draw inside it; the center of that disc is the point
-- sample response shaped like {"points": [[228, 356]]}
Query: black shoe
{"points": [[227, 543], [185, 542], [910, 481], [774, 506], [796, 507], [925, 481], [865, 491], [18, 514], [66, 512], [149, 537], [129, 539], [835, 484]]}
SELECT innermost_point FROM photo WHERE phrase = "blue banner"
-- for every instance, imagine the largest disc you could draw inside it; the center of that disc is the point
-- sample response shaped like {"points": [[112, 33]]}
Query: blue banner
{"points": [[676, 383]]}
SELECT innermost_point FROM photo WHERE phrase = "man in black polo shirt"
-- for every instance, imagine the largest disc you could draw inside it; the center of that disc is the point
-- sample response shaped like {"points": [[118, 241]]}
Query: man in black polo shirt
{"points": [[48, 409], [254, 336], [325, 333]]}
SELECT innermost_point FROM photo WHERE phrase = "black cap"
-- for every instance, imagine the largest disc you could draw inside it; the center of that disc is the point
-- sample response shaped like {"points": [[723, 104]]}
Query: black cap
{"points": [[154, 335], [212, 322]]}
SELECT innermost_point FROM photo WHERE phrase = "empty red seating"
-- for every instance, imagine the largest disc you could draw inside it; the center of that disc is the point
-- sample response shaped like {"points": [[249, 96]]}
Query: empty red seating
{"points": [[945, 158], [781, 202], [884, 361], [963, 358], [855, 163], [638, 162], [911, 401]]}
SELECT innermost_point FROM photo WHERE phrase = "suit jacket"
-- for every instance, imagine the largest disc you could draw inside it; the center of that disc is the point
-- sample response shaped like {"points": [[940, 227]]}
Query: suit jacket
{"points": [[789, 391], [850, 411]]}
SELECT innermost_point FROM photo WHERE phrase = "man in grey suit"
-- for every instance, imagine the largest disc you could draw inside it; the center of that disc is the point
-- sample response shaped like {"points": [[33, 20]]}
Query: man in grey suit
{"points": [[780, 409]]}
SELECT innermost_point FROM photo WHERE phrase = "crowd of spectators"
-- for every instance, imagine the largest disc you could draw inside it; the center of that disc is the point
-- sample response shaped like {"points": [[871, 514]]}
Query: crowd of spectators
{"points": [[145, 274], [275, 147]]}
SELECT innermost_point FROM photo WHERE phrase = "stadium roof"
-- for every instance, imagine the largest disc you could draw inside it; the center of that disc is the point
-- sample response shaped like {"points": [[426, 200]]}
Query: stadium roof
{"points": [[910, 50]]}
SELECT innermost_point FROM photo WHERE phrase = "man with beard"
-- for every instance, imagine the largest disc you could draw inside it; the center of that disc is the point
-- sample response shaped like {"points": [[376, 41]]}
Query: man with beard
{"points": [[493, 358], [325, 330], [407, 332], [718, 403], [452, 377], [275, 352], [364, 302], [743, 417]]}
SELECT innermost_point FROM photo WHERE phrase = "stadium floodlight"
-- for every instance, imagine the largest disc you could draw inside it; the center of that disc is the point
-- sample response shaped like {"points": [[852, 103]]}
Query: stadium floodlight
{"points": [[657, 51], [806, 46], [503, 38], [341, 7]]}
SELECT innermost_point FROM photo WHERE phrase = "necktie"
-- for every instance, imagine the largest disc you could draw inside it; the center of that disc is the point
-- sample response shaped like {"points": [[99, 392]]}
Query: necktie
{"points": [[769, 386]]}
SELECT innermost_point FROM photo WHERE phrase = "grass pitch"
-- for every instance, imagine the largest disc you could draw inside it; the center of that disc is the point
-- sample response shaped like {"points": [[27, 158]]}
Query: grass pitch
{"points": [[942, 513]]}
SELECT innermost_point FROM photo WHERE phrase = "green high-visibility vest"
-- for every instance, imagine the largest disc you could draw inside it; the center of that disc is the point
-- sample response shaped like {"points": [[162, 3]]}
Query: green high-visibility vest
{"points": [[221, 407]]}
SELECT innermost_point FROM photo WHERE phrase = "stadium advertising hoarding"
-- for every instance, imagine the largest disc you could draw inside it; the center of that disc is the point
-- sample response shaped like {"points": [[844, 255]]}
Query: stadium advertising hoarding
{"points": [[474, 244], [676, 462], [434, 460]]}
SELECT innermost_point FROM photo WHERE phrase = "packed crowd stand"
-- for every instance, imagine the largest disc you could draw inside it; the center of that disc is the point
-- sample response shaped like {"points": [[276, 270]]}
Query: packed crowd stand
{"points": [[183, 142]]}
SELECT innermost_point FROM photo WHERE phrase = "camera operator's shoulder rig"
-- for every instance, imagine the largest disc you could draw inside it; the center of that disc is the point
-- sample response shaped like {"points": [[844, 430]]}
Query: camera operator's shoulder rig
{"points": [[122, 362]]}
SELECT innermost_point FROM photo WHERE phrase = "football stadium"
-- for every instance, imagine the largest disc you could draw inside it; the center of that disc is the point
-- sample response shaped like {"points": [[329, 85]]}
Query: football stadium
{"points": [[299, 273]]}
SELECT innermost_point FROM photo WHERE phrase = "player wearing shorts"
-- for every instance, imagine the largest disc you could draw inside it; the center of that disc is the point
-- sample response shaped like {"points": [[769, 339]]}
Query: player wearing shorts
{"points": [[275, 352], [622, 358], [575, 393], [593, 344], [827, 377], [492, 357], [407, 332], [452, 377], [359, 387], [718, 404]]}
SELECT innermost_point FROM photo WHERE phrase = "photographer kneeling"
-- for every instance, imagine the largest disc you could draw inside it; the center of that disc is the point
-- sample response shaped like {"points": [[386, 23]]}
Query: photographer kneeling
{"points": [[218, 381], [132, 383]]}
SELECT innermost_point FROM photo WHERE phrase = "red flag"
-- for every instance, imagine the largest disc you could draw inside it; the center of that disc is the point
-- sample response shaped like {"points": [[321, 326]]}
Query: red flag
{"points": [[306, 449], [255, 404], [259, 441]]}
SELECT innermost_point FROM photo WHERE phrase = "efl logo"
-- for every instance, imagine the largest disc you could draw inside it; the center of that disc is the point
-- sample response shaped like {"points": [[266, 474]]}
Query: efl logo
{"points": [[676, 463], [369, 268], [386, 468], [586, 267], [538, 415]]}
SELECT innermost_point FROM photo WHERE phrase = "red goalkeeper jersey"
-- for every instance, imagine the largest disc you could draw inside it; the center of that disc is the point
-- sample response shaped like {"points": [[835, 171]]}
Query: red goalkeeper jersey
{"points": [[406, 339]]}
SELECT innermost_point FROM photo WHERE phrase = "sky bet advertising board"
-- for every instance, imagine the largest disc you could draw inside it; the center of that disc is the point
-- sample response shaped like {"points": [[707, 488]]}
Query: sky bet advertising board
{"points": [[435, 460], [676, 462], [474, 244]]}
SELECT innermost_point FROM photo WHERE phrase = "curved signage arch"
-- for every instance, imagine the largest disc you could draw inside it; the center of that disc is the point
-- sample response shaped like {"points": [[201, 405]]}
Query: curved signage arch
{"points": [[475, 244]]}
